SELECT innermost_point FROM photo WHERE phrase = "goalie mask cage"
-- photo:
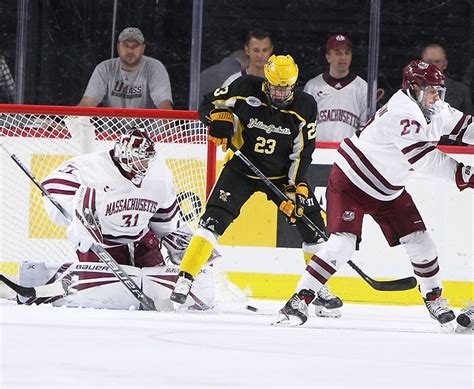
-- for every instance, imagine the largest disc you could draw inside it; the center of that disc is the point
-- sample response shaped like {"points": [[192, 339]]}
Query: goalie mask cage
{"points": [[43, 137]]}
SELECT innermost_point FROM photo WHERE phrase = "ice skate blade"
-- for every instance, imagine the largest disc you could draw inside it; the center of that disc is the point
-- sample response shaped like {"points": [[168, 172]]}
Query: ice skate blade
{"points": [[164, 305], [447, 328], [328, 313], [176, 306], [287, 321], [464, 330]]}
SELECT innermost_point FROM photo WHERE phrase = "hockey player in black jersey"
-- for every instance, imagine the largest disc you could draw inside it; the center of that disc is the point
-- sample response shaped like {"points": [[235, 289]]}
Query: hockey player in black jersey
{"points": [[274, 126]]}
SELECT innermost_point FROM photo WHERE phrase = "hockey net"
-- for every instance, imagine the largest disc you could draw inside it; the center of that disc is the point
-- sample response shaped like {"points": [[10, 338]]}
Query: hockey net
{"points": [[43, 137]]}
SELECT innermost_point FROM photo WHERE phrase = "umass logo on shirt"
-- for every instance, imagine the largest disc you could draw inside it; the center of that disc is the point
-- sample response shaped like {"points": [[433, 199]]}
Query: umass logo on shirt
{"points": [[127, 91]]}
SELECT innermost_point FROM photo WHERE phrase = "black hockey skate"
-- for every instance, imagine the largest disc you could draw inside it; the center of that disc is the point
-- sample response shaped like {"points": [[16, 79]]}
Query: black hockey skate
{"points": [[438, 309], [295, 311], [326, 304], [465, 320], [181, 289]]}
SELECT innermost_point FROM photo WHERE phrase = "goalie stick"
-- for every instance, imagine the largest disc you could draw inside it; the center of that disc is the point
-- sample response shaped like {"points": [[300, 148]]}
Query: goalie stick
{"points": [[392, 285], [104, 256], [49, 290]]}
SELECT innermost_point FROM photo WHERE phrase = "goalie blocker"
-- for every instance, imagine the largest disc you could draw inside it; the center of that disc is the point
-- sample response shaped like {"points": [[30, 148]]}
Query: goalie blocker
{"points": [[94, 285]]}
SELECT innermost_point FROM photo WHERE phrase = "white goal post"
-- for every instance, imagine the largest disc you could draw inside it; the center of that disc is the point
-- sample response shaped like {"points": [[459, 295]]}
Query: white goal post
{"points": [[43, 137]]}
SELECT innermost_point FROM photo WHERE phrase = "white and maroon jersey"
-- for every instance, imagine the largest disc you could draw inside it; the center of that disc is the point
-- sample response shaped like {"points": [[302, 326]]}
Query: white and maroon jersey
{"points": [[342, 105], [124, 210], [397, 140]]}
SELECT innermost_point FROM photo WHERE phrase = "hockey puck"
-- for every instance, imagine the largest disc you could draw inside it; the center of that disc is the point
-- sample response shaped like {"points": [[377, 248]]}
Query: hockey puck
{"points": [[250, 308]]}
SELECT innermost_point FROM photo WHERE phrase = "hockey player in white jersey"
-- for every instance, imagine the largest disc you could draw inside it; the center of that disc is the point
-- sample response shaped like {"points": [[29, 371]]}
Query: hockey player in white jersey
{"points": [[369, 177], [123, 199], [129, 191]]}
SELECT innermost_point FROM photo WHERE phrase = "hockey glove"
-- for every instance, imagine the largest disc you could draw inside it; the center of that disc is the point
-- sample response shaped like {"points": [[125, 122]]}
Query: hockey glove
{"points": [[147, 251], [176, 244], [464, 176], [221, 127], [293, 208]]}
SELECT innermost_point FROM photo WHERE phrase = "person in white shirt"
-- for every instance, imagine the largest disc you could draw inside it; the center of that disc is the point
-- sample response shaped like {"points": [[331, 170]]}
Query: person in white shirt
{"points": [[132, 80], [341, 94], [259, 48], [369, 178]]}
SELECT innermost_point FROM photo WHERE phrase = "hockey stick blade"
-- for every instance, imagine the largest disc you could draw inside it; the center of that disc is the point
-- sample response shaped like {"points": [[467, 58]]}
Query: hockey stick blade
{"points": [[49, 290], [386, 286], [400, 284]]}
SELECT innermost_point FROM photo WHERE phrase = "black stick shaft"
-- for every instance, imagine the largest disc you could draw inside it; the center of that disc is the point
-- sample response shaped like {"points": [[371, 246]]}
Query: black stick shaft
{"points": [[21, 290], [393, 285]]}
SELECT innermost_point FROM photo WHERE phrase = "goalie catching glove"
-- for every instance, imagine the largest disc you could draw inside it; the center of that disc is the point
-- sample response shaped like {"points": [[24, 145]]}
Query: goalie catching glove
{"points": [[293, 208], [464, 176], [221, 127]]}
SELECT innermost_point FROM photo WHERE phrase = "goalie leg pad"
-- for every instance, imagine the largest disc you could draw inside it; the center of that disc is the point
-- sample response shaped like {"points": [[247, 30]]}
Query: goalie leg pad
{"points": [[158, 283], [33, 274], [93, 285], [97, 286]]}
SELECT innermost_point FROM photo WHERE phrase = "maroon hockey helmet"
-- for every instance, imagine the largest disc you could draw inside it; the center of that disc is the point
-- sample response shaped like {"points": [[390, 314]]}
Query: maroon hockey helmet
{"points": [[430, 81], [422, 74], [135, 151]]}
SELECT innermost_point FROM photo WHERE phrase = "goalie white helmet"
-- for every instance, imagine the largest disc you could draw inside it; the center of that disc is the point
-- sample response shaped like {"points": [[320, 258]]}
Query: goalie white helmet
{"points": [[135, 152]]}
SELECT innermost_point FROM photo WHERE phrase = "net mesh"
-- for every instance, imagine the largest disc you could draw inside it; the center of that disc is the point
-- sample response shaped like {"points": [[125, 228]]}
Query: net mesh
{"points": [[42, 142]]}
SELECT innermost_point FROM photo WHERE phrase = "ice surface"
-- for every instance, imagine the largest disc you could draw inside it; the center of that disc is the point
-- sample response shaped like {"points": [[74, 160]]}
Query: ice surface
{"points": [[370, 346]]}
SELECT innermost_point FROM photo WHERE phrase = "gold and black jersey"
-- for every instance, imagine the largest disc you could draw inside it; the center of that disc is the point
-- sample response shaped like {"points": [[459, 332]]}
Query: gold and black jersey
{"points": [[280, 142]]}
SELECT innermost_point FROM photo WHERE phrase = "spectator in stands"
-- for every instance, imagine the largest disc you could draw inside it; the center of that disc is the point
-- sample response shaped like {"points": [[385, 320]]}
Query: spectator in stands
{"points": [[341, 94], [7, 84], [213, 77], [131, 81], [457, 94], [258, 47], [468, 78]]}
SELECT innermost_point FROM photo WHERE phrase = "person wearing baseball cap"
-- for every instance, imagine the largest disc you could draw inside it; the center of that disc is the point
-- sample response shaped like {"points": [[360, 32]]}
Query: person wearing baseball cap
{"points": [[131, 34], [341, 94], [338, 41], [132, 80]]}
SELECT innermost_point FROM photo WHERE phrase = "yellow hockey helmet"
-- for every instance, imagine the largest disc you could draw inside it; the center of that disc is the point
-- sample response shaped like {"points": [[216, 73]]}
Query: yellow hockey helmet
{"points": [[281, 74]]}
